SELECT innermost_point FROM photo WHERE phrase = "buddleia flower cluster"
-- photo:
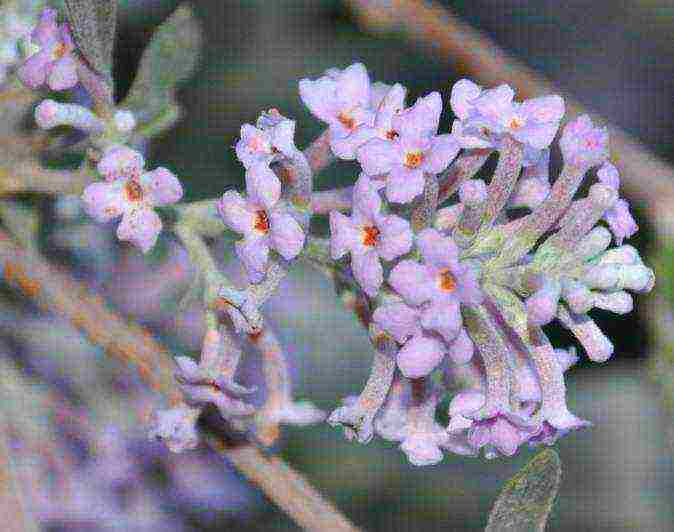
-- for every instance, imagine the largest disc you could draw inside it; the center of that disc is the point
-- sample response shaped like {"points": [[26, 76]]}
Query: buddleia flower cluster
{"points": [[453, 272]]}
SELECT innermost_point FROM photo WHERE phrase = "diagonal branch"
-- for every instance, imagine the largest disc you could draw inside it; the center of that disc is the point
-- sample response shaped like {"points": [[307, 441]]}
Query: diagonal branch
{"points": [[56, 291]]}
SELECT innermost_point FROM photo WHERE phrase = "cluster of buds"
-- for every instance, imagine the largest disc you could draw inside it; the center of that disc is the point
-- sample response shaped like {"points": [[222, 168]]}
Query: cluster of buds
{"points": [[453, 273]]}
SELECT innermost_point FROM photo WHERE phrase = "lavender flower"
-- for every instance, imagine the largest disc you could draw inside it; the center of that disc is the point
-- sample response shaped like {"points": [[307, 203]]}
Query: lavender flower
{"points": [[439, 284], [411, 148], [342, 99], [54, 63], [618, 217], [583, 144], [369, 236], [264, 143], [486, 115], [263, 220], [131, 193]]}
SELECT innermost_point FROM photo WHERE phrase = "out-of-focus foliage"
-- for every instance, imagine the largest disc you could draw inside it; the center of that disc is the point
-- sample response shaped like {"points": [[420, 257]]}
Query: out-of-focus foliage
{"points": [[526, 500], [170, 58]]}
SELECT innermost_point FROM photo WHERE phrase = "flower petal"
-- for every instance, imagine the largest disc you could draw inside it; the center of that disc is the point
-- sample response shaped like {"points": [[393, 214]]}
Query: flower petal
{"points": [[343, 235], [254, 254], [444, 319], [286, 235], [236, 212], [378, 156], [464, 92], [399, 320], [63, 74], [141, 227], [368, 271], [395, 238], [262, 186], [419, 356], [104, 201], [444, 149], [404, 185], [163, 186], [412, 281]]}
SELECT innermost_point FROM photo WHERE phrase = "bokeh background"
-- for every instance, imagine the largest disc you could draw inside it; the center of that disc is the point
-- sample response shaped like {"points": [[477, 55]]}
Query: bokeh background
{"points": [[617, 57]]}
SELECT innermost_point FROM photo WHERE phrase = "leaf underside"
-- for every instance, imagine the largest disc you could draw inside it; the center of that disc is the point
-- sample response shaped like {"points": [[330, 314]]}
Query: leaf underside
{"points": [[526, 500]]}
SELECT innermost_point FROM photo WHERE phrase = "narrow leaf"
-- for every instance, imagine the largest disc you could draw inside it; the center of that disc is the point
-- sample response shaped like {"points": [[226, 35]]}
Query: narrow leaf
{"points": [[170, 57], [93, 24], [526, 500]]}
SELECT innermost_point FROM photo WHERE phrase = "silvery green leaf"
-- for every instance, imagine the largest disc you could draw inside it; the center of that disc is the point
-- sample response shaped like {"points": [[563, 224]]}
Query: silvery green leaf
{"points": [[526, 500], [170, 57], [93, 24]]}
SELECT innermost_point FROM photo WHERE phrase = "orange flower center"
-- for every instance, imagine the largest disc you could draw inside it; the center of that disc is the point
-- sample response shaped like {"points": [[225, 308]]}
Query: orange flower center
{"points": [[447, 281], [347, 120], [516, 123], [370, 236], [392, 134], [261, 221], [59, 51], [133, 190], [413, 159]]}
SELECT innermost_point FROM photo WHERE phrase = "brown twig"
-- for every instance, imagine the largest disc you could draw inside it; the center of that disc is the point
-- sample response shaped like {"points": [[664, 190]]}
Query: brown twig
{"points": [[56, 291], [646, 178]]}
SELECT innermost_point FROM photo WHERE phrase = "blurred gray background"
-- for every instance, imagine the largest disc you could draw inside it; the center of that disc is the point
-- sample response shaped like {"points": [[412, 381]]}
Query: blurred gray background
{"points": [[617, 57]]}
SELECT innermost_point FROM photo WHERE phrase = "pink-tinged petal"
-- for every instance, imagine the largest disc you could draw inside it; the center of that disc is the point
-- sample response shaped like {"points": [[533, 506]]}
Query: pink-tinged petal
{"points": [[444, 319], [236, 212], [378, 92], [404, 185], [608, 174], [420, 120], [104, 201], [505, 437], [262, 186], [47, 30], [141, 227], [494, 103], [437, 249], [398, 320], [466, 402], [412, 281], [377, 156], [470, 137], [462, 348], [546, 109], [354, 85], [392, 103], [368, 271], [395, 238], [538, 136], [286, 235], [162, 186], [422, 449], [583, 144], [120, 161], [343, 235], [283, 137], [63, 74], [253, 146], [464, 92], [319, 97], [620, 221], [444, 150], [366, 199], [419, 356], [33, 72], [346, 147], [254, 254]]}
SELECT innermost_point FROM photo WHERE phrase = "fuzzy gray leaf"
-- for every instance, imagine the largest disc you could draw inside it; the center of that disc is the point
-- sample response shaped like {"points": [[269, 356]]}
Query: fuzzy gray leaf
{"points": [[526, 500], [93, 24], [170, 57]]}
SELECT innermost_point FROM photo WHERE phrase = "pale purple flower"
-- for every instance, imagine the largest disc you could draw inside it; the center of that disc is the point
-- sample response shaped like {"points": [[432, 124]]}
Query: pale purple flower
{"points": [[485, 115], [421, 352], [439, 284], [413, 148], [369, 236], [583, 144], [177, 427], [263, 220], [501, 432], [272, 137], [54, 63], [132, 194], [342, 99], [618, 217]]}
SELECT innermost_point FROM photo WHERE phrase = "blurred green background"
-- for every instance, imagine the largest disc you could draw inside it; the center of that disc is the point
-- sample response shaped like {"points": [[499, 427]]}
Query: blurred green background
{"points": [[617, 58]]}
